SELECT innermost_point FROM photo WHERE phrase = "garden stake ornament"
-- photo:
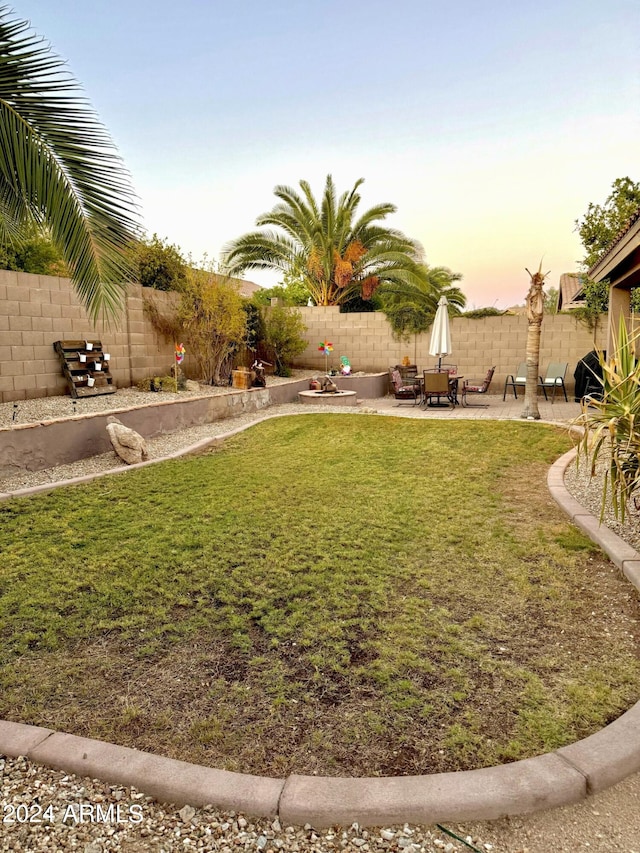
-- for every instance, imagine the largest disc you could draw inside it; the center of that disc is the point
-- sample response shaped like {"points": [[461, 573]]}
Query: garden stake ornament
{"points": [[180, 351], [326, 348]]}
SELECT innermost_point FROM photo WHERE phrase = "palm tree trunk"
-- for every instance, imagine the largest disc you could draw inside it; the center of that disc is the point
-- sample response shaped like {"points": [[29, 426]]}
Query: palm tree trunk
{"points": [[535, 313], [530, 411]]}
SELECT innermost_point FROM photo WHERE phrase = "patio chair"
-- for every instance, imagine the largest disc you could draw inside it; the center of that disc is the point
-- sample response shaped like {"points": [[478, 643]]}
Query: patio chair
{"points": [[404, 389], [470, 386], [554, 378], [436, 384], [407, 371], [515, 379]]}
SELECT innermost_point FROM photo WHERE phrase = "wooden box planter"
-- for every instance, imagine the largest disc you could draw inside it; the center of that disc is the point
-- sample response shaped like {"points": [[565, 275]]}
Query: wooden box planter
{"points": [[85, 366], [241, 378]]}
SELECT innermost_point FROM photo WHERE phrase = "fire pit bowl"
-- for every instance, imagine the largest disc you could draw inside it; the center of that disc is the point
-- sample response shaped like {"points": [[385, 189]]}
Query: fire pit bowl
{"points": [[328, 398]]}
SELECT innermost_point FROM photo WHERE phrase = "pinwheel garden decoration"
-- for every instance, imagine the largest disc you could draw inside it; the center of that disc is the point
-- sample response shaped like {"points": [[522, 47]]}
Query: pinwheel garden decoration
{"points": [[326, 348], [180, 351]]}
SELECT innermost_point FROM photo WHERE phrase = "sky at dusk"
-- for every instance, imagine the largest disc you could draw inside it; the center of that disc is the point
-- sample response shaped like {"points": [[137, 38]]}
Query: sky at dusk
{"points": [[490, 124]]}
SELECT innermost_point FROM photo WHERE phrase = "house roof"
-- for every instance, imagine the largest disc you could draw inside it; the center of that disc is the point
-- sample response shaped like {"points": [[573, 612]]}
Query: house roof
{"points": [[245, 288], [569, 291], [622, 237]]}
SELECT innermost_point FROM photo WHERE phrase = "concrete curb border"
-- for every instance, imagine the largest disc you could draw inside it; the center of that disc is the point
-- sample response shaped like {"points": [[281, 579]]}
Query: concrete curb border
{"points": [[559, 778]]}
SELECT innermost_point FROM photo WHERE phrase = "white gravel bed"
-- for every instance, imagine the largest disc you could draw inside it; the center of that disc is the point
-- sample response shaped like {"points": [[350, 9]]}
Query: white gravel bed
{"points": [[587, 490], [160, 446], [46, 811]]}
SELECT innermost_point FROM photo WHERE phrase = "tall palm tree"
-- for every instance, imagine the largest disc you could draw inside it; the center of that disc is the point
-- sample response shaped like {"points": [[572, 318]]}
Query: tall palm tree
{"points": [[59, 169], [335, 254], [410, 308]]}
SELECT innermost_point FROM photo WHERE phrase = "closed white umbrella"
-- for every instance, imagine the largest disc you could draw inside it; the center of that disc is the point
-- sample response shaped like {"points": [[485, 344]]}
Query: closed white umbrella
{"points": [[440, 343]]}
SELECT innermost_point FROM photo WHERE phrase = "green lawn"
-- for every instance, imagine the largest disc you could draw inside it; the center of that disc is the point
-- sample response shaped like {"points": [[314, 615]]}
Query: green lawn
{"points": [[343, 594]]}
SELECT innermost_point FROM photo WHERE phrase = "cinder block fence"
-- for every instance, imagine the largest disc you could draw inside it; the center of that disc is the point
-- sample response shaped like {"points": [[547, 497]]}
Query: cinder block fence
{"points": [[368, 343], [37, 310]]}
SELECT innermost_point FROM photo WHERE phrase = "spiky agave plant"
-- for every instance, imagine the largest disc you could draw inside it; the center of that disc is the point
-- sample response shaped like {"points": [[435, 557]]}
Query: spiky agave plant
{"points": [[612, 424], [60, 170]]}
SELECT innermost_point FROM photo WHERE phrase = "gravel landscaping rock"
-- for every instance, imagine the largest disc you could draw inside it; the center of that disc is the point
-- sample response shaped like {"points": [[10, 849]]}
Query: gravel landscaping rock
{"points": [[157, 447], [587, 490], [47, 810]]}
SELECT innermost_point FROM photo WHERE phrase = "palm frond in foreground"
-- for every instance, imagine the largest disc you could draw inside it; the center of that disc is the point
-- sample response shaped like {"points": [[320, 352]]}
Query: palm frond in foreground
{"points": [[60, 169]]}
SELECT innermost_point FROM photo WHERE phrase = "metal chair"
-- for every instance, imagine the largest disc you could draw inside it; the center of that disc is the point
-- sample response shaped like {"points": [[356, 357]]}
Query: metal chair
{"points": [[436, 384], [554, 378], [404, 389], [407, 371], [469, 386], [514, 379]]}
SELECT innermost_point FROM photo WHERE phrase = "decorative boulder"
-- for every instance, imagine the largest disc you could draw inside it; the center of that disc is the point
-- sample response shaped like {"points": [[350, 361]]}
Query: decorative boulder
{"points": [[127, 443]]}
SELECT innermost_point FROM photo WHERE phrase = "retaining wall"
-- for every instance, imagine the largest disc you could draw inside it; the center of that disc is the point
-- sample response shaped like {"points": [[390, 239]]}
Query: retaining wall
{"points": [[59, 442]]}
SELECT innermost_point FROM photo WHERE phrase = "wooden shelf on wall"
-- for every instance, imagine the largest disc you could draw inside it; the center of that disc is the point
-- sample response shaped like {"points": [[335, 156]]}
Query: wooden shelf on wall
{"points": [[83, 361]]}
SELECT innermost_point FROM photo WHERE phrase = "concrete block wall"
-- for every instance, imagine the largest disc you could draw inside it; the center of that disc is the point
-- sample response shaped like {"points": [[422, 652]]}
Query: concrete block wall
{"points": [[368, 343], [36, 311], [150, 354]]}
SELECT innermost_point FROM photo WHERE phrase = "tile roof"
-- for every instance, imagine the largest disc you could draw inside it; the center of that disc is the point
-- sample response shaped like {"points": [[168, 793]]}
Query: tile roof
{"points": [[569, 289], [630, 223], [245, 288]]}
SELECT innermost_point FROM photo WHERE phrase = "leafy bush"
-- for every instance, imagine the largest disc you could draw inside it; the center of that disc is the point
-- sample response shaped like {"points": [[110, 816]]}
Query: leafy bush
{"points": [[283, 331], [292, 291], [601, 224], [34, 253], [157, 263], [212, 316], [357, 305], [411, 306], [163, 383], [596, 303], [479, 313]]}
